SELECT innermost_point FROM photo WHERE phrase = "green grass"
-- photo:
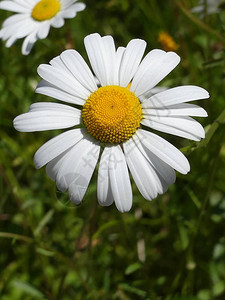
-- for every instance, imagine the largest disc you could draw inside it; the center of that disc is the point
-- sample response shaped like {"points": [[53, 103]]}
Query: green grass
{"points": [[53, 250]]}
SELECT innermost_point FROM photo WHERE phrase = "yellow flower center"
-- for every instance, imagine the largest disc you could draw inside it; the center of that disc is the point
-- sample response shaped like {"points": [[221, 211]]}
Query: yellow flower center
{"points": [[112, 114], [45, 9]]}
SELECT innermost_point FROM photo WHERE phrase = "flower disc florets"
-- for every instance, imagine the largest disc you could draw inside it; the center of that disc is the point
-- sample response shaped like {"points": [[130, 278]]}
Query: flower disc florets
{"points": [[112, 114], [45, 9]]}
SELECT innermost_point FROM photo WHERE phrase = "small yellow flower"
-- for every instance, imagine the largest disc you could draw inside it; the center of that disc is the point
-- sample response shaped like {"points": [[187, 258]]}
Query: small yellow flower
{"points": [[167, 42]]}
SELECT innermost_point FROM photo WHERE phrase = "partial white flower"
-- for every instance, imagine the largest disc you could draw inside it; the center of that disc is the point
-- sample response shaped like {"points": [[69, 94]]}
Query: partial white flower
{"points": [[117, 116], [34, 18], [208, 7]]}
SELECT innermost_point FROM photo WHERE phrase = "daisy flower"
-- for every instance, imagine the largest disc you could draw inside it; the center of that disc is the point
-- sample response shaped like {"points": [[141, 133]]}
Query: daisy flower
{"points": [[34, 18], [116, 117], [211, 7]]}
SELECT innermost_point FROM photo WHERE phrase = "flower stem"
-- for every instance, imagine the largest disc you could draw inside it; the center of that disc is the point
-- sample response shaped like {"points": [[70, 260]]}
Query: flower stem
{"points": [[198, 22]]}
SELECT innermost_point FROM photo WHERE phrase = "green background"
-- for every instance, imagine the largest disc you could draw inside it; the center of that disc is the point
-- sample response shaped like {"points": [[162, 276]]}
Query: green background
{"points": [[170, 248]]}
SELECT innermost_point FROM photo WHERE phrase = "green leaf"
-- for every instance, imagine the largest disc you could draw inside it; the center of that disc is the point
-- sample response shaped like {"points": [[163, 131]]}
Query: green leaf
{"points": [[218, 288], [15, 236], [219, 250], [45, 252], [204, 295], [44, 221], [133, 268], [104, 227], [183, 236], [28, 289], [194, 198], [132, 290]]}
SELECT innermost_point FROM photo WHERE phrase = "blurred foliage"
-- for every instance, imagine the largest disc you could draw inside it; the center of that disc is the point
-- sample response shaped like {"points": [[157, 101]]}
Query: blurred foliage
{"points": [[170, 249]]}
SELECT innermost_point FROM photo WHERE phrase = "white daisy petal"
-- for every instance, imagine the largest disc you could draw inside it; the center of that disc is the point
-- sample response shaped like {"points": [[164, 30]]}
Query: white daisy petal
{"points": [[154, 67], [100, 57], [59, 64], [48, 119], [118, 59], [164, 150], [14, 19], [94, 48], [63, 81], [54, 165], [104, 192], [11, 41], [151, 92], [145, 177], [165, 171], [19, 29], [25, 3], [67, 3], [45, 88], [79, 162], [43, 31], [68, 13], [184, 126], [130, 61], [79, 6], [56, 146], [78, 67], [12, 6], [183, 109], [155, 90], [78, 187], [40, 106], [110, 59], [177, 95], [72, 11], [207, 7], [119, 179], [28, 43], [57, 22], [197, 9]]}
